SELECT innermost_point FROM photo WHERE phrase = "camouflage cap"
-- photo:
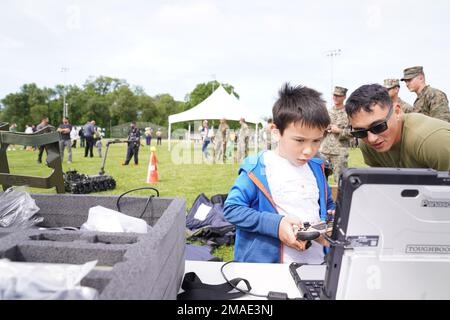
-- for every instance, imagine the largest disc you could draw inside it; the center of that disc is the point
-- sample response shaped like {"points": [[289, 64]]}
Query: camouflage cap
{"points": [[391, 83], [340, 91], [412, 72]]}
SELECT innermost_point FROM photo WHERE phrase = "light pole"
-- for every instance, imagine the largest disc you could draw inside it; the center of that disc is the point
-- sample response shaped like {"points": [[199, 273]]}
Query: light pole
{"points": [[332, 54], [65, 109]]}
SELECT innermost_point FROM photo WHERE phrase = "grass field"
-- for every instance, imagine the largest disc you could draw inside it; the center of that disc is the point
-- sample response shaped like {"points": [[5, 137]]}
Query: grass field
{"points": [[182, 172]]}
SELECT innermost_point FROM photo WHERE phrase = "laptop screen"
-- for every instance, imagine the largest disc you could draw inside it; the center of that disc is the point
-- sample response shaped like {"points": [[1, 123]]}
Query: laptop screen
{"points": [[391, 235]]}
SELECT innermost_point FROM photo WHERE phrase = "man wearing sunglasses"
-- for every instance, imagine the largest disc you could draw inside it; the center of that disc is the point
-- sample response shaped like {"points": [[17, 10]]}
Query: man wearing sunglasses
{"points": [[393, 139], [430, 101]]}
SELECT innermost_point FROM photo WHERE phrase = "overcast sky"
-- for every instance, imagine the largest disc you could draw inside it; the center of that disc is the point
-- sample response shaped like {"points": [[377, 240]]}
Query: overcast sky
{"points": [[255, 45]]}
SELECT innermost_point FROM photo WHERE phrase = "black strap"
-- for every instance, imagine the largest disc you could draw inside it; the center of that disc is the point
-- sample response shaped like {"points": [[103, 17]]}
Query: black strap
{"points": [[195, 289]]}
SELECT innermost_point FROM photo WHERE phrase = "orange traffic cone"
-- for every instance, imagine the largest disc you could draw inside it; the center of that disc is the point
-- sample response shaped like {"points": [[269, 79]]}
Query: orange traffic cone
{"points": [[152, 175]]}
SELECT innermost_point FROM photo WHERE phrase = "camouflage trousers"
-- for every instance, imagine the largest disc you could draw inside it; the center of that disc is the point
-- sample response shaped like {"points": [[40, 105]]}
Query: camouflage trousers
{"points": [[242, 150], [338, 161], [220, 148]]}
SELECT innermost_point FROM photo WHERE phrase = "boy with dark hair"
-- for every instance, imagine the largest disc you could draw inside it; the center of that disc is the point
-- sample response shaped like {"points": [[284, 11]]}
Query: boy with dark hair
{"points": [[393, 139], [280, 189]]}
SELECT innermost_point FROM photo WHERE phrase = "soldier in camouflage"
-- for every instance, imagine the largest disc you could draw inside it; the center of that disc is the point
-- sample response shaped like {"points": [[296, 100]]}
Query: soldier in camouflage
{"points": [[430, 101], [220, 140], [393, 87], [244, 135], [335, 146]]}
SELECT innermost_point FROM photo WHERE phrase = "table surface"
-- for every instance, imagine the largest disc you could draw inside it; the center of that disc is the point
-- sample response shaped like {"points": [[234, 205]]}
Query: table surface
{"points": [[263, 277]]}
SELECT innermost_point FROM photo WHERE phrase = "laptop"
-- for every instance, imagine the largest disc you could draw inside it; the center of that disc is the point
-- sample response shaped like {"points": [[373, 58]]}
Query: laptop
{"points": [[390, 238]]}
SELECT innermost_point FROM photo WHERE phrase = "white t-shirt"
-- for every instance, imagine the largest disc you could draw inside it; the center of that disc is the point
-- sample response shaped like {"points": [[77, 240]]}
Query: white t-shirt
{"points": [[294, 190]]}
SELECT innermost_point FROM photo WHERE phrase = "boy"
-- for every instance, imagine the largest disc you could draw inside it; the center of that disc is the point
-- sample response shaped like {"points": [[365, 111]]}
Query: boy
{"points": [[282, 188]]}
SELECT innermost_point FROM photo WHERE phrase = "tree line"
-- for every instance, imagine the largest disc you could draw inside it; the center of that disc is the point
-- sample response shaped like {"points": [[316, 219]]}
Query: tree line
{"points": [[109, 101]]}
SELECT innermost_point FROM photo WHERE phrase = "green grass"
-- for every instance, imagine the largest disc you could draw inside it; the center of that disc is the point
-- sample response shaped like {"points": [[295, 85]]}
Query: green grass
{"points": [[185, 180]]}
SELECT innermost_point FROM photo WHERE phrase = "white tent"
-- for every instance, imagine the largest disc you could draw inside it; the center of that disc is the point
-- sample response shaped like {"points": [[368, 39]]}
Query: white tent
{"points": [[218, 105]]}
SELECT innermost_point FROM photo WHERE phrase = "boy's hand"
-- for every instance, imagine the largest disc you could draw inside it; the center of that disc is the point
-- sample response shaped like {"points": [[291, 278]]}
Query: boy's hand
{"points": [[287, 235]]}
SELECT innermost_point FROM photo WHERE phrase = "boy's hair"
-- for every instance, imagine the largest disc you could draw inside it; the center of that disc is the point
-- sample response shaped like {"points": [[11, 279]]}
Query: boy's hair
{"points": [[365, 97], [299, 104]]}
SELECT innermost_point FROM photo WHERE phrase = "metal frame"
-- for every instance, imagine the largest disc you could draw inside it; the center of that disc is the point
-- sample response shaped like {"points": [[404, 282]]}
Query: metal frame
{"points": [[46, 137]]}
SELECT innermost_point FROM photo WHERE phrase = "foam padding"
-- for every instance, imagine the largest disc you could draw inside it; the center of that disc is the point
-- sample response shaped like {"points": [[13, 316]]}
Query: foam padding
{"points": [[130, 265]]}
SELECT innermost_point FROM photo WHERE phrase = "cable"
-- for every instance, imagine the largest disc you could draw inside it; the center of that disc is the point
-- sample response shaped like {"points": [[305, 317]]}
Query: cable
{"points": [[272, 295], [235, 287], [146, 204]]}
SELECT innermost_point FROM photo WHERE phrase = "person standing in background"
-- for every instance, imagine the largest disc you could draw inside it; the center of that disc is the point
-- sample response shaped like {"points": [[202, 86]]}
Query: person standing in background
{"points": [[64, 130], [221, 140], [244, 135], [12, 128], [88, 130], [336, 144], [134, 141], [430, 101], [148, 136], [40, 126], [159, 137], [393, 87]]}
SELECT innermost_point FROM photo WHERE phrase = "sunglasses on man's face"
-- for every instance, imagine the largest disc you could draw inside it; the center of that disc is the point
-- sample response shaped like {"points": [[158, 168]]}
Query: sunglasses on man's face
{"points": [[375, 129]]}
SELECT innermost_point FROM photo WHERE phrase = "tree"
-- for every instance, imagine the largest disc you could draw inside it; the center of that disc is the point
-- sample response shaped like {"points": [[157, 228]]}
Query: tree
{"points": [[124, 106], [109, 101], [26, 105], [165, 106], [147, 108], [104, 85]]}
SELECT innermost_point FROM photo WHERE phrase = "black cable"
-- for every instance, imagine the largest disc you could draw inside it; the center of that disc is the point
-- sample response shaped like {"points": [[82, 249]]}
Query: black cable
{"points": [[272, 295], [235, 287], [146, 204]]}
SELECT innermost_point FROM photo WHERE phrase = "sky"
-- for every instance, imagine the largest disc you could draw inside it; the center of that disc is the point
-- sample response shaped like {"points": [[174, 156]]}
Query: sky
{"points": [[254, 45]]}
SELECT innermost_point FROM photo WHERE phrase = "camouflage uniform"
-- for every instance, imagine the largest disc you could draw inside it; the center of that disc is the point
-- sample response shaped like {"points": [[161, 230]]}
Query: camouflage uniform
{"points": [[243, 138], [406, 107], [221, 142], [392, 83], [335, 146], [430, 101]]}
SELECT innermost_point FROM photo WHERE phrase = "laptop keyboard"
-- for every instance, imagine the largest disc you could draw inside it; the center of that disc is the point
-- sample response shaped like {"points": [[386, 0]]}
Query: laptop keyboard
{"points": [[311, 289]]}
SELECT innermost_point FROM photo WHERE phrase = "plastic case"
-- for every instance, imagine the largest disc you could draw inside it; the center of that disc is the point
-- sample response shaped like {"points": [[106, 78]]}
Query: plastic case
{"points": [[130, 265]]}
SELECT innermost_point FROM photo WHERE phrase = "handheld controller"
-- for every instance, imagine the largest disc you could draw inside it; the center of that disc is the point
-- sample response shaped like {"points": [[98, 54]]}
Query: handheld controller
{"points": [[311, 232]]}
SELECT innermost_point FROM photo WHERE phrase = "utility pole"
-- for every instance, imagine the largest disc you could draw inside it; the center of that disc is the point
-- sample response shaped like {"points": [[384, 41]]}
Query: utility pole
{"points": [[332, 54], [65, 109]]}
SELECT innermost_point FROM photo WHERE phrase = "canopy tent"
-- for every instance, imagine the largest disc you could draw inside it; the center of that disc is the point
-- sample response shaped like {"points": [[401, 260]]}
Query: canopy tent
{"points": [[217, 106]]}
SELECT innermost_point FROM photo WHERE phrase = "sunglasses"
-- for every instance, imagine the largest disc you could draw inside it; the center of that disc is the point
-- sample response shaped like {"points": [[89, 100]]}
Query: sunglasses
{"points": [[375, 129]]}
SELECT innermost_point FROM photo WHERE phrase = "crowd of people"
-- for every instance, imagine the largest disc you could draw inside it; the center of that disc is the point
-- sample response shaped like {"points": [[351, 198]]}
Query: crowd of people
{"points": [[90, 137], [225, 141]]}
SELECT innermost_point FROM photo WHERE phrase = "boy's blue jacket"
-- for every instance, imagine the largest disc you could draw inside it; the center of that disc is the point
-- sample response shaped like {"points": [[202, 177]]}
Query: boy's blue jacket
{"points": [[249, 207]]}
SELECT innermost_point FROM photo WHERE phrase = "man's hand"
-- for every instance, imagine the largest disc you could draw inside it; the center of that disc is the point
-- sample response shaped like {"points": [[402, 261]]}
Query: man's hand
{"points": [[287, 235]]}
